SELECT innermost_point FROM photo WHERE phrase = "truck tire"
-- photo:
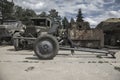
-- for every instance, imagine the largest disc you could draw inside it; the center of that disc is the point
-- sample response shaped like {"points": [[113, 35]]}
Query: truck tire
{"points": [[0, 42], [46, 47], [16, 42]]}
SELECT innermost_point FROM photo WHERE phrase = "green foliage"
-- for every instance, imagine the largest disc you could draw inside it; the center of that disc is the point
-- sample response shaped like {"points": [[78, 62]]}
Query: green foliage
{"points": [[72, 21], [6, 9], [18, 12], [24, 15], [53, 14], [79, 16], [65, 23], [42, 14], [10, 12]]}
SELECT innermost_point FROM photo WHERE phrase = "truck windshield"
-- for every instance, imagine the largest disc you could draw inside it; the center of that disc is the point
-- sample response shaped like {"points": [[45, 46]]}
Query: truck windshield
{"points": [[41, 22]]}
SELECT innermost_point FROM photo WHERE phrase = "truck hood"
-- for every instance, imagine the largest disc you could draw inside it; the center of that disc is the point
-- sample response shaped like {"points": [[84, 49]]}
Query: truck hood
{"points": [[5, 26]]}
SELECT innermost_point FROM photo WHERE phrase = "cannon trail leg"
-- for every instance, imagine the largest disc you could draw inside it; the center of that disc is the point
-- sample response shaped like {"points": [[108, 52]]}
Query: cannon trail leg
{"points": [[91, 50]]}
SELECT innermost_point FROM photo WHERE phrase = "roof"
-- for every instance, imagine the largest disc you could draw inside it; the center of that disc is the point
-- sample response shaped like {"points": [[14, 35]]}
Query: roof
{"points": [[109, 24], [113, 20]]}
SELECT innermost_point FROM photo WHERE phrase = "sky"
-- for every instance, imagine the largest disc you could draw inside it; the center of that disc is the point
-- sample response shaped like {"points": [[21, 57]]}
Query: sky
{"points": [[94, 11]]}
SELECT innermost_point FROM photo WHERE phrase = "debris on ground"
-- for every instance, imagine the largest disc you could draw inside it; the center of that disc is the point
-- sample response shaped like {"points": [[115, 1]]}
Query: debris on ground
{"points": [[117, 68], [29, 68]]}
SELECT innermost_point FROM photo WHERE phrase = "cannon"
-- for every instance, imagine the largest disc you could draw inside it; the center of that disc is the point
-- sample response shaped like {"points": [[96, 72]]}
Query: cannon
{"points": [[46, 40]]}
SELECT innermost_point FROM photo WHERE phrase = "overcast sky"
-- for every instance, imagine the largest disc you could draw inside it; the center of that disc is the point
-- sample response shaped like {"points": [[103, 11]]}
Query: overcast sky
{"points": [[94, 11]]}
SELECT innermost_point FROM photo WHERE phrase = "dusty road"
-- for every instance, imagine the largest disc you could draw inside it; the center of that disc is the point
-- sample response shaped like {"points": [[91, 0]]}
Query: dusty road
{"points": [[23, 65]]}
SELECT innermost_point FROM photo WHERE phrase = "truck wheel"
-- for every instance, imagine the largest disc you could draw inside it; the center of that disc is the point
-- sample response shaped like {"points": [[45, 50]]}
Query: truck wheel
{"points": [[46, 47], [0, 42], [16, 42]]}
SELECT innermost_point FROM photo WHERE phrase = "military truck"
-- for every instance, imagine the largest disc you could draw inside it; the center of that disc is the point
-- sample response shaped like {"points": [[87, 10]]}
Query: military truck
{"points": [[9, 28]]}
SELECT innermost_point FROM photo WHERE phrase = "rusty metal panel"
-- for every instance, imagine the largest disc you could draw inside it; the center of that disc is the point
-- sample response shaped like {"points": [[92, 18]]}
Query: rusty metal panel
{"points": [[87, 38]]}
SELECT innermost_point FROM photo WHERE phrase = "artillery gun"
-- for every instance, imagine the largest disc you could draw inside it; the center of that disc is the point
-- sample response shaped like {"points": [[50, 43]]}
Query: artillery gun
{"points": [[44, 36], [40, 35]]}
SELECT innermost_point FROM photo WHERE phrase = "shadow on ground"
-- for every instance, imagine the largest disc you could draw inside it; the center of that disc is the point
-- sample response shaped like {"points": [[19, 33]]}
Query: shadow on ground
{"points": [[88, 56]]}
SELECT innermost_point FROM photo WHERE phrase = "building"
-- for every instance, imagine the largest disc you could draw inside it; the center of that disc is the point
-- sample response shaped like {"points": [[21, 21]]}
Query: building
{"points": [[111, 29]]}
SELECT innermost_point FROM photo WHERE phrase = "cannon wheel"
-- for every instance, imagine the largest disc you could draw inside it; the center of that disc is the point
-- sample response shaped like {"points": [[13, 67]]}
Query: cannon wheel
{"points": [[46, 47], [16, 42]]}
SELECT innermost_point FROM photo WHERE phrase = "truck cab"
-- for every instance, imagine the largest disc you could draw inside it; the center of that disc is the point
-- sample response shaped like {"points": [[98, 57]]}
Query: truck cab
{"points": [[39, 25]]}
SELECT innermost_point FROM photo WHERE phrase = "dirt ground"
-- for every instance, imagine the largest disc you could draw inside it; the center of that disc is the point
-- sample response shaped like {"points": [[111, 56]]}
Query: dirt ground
{"points": [[23, 65]]}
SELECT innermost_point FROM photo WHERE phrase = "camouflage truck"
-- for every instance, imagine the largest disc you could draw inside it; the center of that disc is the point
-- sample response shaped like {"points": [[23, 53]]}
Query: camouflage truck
{"points": [[9, 28]]}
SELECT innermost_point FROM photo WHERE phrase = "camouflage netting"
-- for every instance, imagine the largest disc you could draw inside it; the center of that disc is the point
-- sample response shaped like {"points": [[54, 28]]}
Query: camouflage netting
{"points": [[109, 24]]}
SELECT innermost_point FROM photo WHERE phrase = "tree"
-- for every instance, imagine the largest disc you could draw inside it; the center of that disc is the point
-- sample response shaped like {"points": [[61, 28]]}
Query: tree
{"points": [[42, 14], [24, 15], [72, 21], [10, 11], [79, 16], [27, 14], [19, 12], [53, 14], [6, 8], [65, 23]]}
